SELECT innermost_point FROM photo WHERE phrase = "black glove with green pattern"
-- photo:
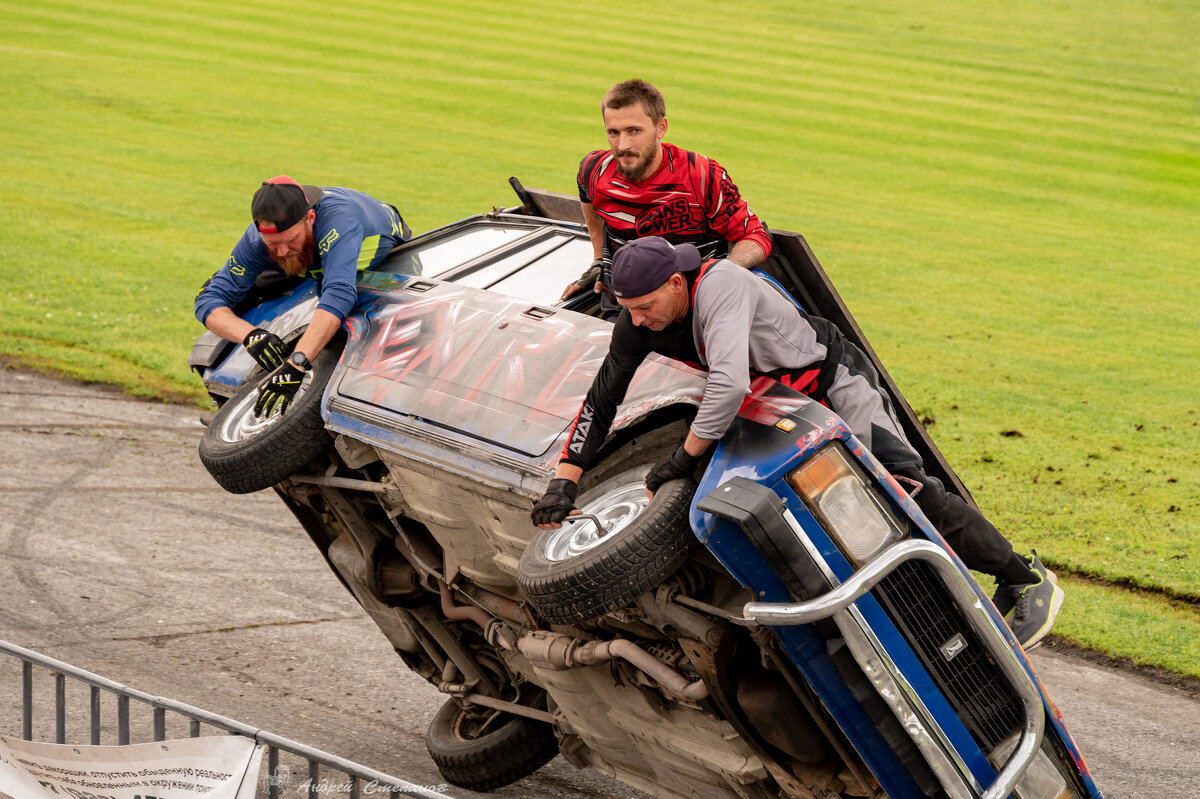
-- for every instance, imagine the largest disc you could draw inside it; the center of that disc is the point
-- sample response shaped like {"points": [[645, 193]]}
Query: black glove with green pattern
{"points": [[264, 347], [276, 392]]}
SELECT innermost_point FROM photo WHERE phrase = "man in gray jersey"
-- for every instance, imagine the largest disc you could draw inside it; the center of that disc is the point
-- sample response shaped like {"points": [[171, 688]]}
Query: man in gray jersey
{"points": [[724, 319]]}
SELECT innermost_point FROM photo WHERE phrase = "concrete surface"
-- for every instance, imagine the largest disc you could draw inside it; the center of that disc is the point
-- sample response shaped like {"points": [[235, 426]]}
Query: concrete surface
{"points": [[119, 554]]}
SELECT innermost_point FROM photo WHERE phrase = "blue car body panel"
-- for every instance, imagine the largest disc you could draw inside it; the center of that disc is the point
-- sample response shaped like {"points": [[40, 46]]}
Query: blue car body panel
{"points": [[755, 449]]}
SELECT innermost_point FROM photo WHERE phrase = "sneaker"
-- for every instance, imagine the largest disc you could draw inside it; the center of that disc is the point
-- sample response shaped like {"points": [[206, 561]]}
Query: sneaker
{"points": [[1030, 608]]}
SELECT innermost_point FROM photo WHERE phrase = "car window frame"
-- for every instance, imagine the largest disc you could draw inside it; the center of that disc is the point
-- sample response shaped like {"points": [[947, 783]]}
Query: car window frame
{"points": [[538, 229]]}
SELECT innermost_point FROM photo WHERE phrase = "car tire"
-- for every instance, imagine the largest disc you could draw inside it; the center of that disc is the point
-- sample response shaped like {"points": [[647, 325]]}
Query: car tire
{"points": [[570, 575], [244, 453], [481, 749]]}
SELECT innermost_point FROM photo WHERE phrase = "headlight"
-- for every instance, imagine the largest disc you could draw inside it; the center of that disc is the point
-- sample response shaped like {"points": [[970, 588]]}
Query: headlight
{"points": [[850, 509], [1041, 779]]}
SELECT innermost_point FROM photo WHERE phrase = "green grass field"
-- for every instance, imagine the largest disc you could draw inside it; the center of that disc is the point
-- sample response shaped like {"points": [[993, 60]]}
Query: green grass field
{"points": [[1006, 195]]}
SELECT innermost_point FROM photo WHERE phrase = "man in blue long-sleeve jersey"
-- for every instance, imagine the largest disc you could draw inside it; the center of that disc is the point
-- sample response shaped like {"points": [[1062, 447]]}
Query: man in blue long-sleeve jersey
{"points": [[298, 231]]}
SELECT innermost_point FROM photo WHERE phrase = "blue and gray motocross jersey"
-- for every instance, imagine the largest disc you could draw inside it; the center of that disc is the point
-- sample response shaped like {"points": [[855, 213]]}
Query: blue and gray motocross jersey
{"points": [[352, 230]]}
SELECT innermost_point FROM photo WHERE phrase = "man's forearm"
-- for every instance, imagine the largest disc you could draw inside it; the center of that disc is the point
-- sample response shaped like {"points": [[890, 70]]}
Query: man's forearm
{"points": [[595, 226], [320, 329], [695, 445], [228, 325], [568, 471], [746, 253]]}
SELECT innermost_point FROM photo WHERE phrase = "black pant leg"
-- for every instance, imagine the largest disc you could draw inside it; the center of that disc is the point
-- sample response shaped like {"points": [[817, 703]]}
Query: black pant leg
{"points": [[973, 537], [867, 408]]}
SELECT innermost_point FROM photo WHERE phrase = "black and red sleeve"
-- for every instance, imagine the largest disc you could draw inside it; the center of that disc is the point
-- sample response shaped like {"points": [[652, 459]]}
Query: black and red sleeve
{"points": [[727, 214], [589, 170], [626, 352]]}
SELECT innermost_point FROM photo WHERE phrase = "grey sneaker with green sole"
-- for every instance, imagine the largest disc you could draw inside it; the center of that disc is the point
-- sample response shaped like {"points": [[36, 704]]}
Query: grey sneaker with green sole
{"points": [[1030, 608]]}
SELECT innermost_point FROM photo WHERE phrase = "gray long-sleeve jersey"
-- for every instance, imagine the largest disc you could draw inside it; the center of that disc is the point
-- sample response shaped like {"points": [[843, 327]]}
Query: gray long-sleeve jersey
{"points": [[739, 324], [742, 323]]}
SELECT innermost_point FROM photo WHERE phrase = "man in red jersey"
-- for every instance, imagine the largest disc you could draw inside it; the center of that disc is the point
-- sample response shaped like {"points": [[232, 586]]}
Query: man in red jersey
{"points": [[643, 186]]}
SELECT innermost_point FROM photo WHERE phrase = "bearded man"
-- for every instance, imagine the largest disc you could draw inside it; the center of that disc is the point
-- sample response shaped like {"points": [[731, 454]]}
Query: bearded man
{"points": [[643, 186], [298, 231]]}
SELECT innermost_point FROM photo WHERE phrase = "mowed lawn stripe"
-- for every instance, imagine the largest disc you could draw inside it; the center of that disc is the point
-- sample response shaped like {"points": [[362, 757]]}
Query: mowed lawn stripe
{"points": [[1070, 131], [221, 18], [918, 122], [1154, 37], [947, 122], [977, 81], [222, 36]]}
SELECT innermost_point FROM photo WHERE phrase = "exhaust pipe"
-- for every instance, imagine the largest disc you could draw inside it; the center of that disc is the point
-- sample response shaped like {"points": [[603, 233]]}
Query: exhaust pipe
{"points": [[559, 652]]}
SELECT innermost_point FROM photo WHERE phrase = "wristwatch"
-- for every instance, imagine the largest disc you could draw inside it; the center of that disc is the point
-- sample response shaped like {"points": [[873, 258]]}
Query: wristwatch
{"points": [[300, 361]]}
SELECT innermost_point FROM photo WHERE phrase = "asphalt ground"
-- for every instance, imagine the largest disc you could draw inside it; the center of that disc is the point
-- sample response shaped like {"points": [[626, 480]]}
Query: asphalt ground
{"points": [[120, 555]]}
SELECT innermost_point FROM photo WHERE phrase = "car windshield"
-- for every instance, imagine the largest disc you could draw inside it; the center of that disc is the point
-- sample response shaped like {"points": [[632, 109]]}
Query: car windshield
{"points": [[447, 252], [530, 263], [538, 273]]}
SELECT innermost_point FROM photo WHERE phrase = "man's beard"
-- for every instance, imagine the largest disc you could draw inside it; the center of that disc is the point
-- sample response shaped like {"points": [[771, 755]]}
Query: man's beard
{"points": [[298, 263], [638, 173]]}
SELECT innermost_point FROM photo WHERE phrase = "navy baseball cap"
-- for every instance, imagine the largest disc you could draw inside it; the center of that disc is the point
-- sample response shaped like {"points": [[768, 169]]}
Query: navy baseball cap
{"points": [[282, 202], [642, 265]]}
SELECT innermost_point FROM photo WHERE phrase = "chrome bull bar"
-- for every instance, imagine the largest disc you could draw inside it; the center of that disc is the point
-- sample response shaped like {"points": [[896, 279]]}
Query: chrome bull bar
{"points": [[847, 593]]}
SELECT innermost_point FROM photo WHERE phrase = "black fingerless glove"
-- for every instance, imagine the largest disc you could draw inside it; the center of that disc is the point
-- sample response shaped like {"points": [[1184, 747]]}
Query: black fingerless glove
{"points": [[679, 464], [557, 503], [265, 347], [278, 389], [591, 273]]}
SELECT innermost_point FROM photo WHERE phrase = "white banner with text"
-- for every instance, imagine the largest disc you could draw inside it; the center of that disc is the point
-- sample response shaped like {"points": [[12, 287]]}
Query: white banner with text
{"points": [[215, 767]]}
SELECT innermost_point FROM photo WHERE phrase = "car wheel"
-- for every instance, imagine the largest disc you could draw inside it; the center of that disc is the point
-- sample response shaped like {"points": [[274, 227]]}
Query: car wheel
{"points": [[573, 575], [244, 453], [482, 749]]}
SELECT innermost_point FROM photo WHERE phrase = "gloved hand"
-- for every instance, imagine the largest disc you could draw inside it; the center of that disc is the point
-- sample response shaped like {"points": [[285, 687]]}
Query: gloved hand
{"points": [[557, 503], [678, 464], [277, 391], [264, 347], [591, 273], [588, 278]]}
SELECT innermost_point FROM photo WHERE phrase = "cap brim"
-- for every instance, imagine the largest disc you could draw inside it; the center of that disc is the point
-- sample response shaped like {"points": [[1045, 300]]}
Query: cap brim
{"points": [[313, 194]]}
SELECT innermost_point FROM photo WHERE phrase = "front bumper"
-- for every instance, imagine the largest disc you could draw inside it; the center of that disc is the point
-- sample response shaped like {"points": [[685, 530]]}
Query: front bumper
{"points": [[781, 538]]}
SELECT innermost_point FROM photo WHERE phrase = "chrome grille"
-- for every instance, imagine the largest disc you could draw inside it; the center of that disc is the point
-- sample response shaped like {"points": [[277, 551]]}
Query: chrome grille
{"points": [[935, 627]]}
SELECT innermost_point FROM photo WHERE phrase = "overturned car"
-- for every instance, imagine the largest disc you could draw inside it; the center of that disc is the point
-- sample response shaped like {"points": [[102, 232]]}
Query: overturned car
{"points": [[792, 626]]}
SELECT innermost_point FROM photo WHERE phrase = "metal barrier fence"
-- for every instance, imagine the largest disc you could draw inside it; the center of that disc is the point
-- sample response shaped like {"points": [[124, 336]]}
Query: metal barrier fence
{"points": [[357, 774]]}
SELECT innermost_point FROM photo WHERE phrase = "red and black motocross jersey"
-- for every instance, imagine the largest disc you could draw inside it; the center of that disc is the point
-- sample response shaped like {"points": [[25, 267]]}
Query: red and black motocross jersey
{"points": [[689, 199]]}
